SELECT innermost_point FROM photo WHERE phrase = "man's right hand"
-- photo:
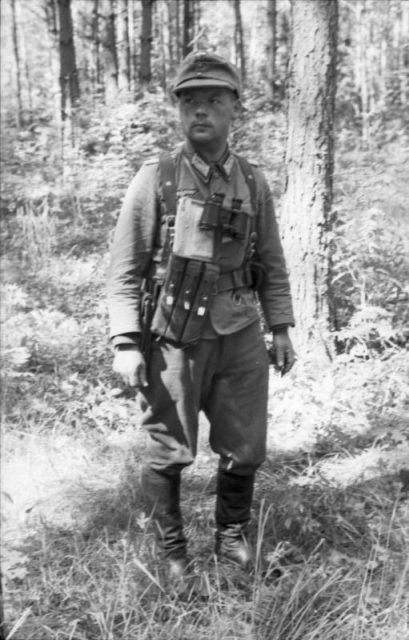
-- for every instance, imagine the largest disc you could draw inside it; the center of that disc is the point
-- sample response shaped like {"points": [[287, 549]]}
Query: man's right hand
{"points": [[130, 364]]}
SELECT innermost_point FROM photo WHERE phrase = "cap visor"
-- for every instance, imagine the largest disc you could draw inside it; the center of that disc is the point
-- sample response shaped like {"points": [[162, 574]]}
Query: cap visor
{"points": [[203, 83]]}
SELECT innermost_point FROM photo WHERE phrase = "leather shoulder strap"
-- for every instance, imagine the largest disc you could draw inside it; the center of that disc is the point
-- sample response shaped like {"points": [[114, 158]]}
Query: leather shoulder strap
{"points": [[168, 182], [248, 172]]}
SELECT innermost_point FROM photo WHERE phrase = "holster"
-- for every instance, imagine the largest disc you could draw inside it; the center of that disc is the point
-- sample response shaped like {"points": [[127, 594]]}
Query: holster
{"points": [[184, 300], [149, 298]]}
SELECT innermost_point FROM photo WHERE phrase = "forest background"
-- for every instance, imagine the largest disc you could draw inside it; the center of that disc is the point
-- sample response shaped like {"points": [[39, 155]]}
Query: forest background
{"points": [[84, 101]]}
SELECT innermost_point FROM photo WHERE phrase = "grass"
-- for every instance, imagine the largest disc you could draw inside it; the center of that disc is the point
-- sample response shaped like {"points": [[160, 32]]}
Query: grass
{"points": [[331, 510], [80, 562]]}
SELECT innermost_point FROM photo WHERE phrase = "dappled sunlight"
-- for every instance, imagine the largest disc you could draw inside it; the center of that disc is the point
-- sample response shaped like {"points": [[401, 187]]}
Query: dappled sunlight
{"points": [[330, 515], [349, 469], [37, 473]]}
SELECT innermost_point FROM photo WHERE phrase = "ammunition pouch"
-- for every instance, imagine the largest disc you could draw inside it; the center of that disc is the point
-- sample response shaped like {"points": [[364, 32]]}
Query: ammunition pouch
{"points": [[184, 300]]}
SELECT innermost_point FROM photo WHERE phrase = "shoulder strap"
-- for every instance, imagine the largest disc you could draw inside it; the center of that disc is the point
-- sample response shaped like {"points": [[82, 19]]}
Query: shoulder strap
{"points": [[167, 177], [248, 172], [168, 182]]}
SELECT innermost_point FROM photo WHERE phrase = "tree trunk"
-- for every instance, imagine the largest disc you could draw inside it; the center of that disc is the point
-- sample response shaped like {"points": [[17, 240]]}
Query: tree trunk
{"points": [[188, 27], [27, 74], [132, 47], [166, 42], [361, 66], [306, 214], [170, 38], [145, 73], [70, 90], [271, 46], [50, 10], [404, 55], [239, 41], [17, 63], [124, 52], [179, 43], [110, 58], [96, 47]]}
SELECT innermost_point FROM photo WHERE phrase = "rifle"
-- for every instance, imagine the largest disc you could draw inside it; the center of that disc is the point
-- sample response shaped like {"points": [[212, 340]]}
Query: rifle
{"points": [[150, 291]]}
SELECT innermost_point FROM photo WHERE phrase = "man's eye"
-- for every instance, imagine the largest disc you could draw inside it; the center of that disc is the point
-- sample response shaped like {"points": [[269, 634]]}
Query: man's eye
{"points": [[215, 100]]}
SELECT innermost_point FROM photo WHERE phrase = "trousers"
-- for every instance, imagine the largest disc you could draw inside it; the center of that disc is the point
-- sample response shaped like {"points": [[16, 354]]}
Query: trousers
{"points": [[226, 378]]}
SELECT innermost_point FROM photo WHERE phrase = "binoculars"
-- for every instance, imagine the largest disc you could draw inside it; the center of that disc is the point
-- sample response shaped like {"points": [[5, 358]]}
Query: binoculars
{"points": [[231, 222]]}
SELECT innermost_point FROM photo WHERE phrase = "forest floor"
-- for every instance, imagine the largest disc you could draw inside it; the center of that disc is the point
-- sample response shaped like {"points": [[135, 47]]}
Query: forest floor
{"points": [[331, 511]]}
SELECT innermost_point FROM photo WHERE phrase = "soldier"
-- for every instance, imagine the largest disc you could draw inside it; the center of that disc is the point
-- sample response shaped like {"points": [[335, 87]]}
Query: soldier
{"points": [[197, 234]]}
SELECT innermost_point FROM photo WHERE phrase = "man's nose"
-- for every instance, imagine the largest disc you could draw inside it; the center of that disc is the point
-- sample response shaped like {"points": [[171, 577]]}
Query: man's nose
{"points": [[200, 106]]}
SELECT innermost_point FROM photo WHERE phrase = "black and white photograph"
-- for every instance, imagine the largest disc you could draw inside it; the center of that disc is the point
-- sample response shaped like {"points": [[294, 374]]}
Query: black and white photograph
{"points": [[204, 295]]}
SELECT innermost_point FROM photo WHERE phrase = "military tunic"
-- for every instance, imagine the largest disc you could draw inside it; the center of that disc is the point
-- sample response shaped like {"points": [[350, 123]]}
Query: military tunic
{"points": [[226, 373]]}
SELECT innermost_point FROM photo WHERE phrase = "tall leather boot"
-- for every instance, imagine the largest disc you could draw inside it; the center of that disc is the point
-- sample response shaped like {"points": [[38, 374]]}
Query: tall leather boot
{"points": [[162, 501], [233, 504]]}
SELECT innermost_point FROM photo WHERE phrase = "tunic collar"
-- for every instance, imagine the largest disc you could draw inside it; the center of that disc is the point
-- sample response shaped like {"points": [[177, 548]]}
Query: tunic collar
{"points": [[205, 169]]}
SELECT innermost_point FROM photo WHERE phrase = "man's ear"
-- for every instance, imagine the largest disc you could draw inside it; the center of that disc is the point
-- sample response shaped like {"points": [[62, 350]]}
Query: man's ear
{"points": [[237, 109]]}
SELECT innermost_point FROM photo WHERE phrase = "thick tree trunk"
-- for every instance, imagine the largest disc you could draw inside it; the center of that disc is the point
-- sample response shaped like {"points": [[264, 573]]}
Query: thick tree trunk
{"points": [[306, 214], [239, 41], [70, 90], [145, 73], [17, 64]]}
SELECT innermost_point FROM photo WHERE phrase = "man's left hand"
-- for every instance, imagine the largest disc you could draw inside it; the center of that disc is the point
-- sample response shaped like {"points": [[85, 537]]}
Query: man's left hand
{"points": [[284, 354]]}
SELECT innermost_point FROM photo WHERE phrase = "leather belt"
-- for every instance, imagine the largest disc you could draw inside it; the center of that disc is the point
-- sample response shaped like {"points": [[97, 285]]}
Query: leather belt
{"points": [[234, 280]]}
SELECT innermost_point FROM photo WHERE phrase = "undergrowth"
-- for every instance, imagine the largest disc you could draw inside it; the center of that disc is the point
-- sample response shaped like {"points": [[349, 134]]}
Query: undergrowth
{"points": [[330, 518]]}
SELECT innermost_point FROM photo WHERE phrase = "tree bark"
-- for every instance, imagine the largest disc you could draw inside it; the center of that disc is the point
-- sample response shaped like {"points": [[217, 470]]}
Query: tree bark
{"points": [[404, 54], [110, 58], [50, 11], [239, 41], [306, 219], [27, 72], [124, 52], [188, 26], [96, 46], [179, 42], [271, 46], [70, 90], [166, 42], [17, 63], [145, 73], [132, 47], [361, 66]]}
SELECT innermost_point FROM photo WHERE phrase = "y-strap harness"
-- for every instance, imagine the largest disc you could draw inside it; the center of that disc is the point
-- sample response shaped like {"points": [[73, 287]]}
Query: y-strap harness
{"points": [[235, 279]]}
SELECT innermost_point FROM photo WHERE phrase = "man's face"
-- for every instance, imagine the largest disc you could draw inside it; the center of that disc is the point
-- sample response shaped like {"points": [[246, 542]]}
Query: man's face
{"points": [[206, 114]]}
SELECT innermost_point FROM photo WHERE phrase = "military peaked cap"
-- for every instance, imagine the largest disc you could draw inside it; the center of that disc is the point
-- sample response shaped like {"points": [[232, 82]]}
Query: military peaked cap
{"points": [[206, 69]]}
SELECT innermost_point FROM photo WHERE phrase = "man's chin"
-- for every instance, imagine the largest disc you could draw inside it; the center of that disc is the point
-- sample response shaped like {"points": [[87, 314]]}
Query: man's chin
{"points": [[201, 141]]}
